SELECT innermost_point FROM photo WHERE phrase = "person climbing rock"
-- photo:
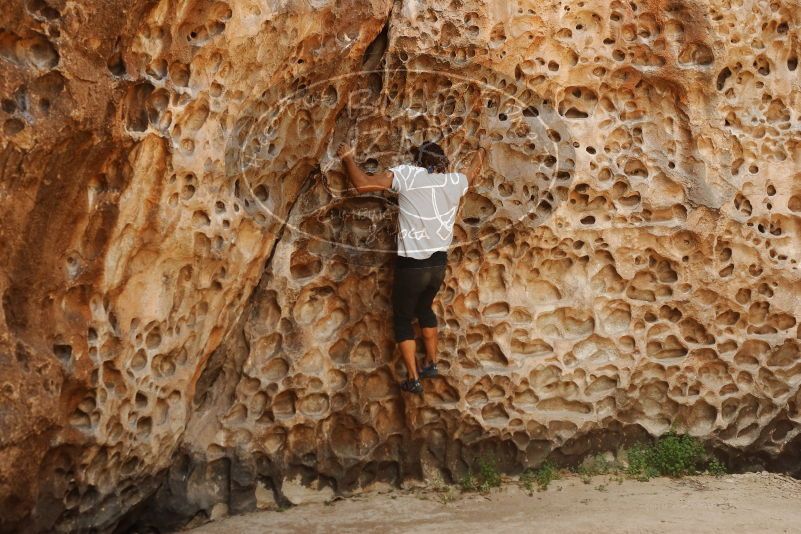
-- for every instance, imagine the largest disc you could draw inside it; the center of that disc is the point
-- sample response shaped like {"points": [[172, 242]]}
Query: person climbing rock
{"points": [[429, 192]]}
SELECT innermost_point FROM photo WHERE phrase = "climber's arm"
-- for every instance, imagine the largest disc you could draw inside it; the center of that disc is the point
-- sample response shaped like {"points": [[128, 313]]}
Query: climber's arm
{"points": [[474, 168], [363, 182]]}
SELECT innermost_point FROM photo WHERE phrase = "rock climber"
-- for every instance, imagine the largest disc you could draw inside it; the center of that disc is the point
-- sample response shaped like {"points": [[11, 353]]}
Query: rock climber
{"points": [[429, 192]]}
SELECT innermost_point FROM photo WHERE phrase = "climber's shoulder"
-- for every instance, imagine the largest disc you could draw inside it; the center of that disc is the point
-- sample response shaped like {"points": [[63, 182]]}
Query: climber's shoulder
{"points": [[382, 180]]}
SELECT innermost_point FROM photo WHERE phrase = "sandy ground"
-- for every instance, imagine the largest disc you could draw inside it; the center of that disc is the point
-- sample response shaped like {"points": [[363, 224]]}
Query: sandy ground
{"points": [[748, 503]]}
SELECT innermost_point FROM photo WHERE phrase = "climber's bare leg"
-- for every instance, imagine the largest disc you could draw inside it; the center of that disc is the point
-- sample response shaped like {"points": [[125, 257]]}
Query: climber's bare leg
{"points": [[408, 349], [430, 342]]}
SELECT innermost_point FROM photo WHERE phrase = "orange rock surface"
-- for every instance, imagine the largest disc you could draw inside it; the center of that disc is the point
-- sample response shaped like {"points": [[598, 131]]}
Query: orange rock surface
{"points": [[195, 309]]}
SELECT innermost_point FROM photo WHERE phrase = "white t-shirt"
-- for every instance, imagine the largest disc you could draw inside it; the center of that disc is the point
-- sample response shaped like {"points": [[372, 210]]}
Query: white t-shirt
{"points": [[428, 204]]}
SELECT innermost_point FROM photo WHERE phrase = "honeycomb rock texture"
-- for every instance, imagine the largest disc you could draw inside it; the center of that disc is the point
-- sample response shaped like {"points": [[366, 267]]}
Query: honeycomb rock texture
{"points": [[195, 310]]}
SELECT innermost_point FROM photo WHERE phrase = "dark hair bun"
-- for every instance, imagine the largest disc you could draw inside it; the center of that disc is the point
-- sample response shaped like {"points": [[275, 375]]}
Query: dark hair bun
{"points": [[431, 157]]}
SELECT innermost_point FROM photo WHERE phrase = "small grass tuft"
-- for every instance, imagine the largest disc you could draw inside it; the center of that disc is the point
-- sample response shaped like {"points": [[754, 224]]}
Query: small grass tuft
{"points": [[469, 482], [596, 465], [716, 468], [448, 496], [488, 473], [542, 476], [484, 478]]}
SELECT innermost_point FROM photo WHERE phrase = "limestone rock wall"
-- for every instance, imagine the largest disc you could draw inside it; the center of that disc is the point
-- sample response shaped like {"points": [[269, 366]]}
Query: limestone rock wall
{"points": [[129, 246], [193, 302], [627, 264]]}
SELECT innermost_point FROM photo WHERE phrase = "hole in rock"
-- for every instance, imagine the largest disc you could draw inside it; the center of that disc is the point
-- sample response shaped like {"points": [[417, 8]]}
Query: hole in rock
{"points": [[490, 354], [376, 49], [722, 77], [696, 54], [115, 64], [144, 426], [153, 339], [63, 353], [477, 208], [41, 8], [13, 126], [574, 113], [136, 115], [304, 265], [163, 366]]}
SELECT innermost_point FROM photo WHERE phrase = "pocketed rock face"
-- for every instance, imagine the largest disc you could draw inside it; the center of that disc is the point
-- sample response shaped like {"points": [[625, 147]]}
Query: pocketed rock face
{"points": [[628, 261], [129, 247], [627, 264]]}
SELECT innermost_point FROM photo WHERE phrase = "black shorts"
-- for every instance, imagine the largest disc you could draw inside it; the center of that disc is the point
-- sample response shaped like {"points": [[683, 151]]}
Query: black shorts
{"points": [[414, 288]]}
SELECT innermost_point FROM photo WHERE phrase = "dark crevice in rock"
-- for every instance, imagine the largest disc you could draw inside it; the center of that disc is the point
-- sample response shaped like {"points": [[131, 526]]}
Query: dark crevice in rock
{"points": [[377, 49]]}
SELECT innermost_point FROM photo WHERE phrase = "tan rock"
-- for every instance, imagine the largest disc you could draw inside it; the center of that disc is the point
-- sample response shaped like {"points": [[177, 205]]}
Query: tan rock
{"points": [[298, 493], [193, 302]]}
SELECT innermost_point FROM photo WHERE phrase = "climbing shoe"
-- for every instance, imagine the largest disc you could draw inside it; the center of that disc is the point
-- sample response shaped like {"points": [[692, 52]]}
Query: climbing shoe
{"points": [[429, 371], [412, 386]]}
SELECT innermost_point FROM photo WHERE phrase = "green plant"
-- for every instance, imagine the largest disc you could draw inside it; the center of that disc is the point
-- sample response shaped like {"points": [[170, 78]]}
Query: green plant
{"points": [[468, 482], [593, 466], [716, 468], [640, 466], [527, 480], [672, 455], [448, 495], [484, 479], [488, 474], [543, 476]]}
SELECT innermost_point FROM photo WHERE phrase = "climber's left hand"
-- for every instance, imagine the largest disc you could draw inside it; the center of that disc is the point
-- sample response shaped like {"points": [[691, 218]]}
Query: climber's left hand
{"points": [[344, 150]]}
